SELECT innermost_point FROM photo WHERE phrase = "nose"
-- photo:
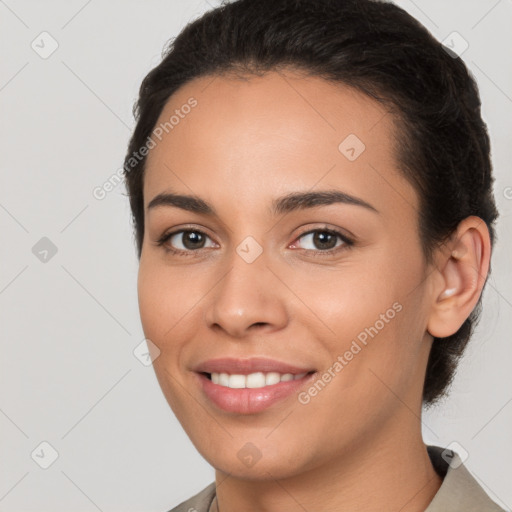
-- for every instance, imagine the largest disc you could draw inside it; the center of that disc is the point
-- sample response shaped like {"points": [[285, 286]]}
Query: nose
{"points": [[247, 298]]}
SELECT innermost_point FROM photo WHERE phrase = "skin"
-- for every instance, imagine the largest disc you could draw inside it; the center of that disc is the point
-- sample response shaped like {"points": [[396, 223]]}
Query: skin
{"points": [[357, 445]]}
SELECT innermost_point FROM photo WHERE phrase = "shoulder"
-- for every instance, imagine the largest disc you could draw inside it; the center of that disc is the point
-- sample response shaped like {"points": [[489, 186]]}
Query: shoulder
{"points": [[200, 502], [459, 490]]}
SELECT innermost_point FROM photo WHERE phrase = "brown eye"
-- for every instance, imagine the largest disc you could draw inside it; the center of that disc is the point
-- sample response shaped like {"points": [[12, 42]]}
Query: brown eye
{"points": [[323, 240], [190, 239], [185, 241]]}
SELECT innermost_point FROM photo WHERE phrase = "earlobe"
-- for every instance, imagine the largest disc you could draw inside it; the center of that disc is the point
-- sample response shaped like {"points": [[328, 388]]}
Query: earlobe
{"points": [[463, 273]]}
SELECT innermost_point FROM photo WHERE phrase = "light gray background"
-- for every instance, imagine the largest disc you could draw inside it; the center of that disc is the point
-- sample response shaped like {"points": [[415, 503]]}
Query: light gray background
{"points": [[69, 326]]}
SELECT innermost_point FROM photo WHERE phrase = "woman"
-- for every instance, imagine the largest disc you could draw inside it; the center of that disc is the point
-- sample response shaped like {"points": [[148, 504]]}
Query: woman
{"points": [[311, 192]]}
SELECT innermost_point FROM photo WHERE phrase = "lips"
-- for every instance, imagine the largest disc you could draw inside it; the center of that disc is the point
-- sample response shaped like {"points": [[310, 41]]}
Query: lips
{"points": [[250, 401], [252, 365], [246, 400]]}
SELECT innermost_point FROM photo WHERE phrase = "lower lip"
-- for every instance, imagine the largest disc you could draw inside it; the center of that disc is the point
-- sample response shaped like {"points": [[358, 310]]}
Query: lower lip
{"points": [[250, 400]]}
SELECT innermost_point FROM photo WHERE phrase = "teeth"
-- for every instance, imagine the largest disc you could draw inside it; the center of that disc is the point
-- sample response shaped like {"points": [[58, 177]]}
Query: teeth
{"points": [[272, 378], [237, 381], [253, 380]]}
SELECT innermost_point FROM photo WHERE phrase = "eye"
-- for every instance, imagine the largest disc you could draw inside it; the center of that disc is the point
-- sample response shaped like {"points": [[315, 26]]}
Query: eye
{"points": [[189, 242], [324, 240], [185, 241]]}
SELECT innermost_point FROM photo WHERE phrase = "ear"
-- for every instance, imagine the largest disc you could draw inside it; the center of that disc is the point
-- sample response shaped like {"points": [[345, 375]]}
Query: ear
{"points": [[462, 268]]}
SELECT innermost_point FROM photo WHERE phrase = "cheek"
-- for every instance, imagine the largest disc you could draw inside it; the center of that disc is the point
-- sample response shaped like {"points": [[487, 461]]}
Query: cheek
{"points": [[151, 305], [163, 305], [375, 314]]}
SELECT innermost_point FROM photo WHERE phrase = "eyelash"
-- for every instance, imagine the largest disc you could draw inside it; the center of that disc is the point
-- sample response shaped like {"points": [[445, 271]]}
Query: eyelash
{"points": [[347, 242]]}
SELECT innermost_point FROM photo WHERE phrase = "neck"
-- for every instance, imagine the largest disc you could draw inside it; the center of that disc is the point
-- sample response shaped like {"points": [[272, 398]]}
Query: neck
{"points": [[393, 472]]}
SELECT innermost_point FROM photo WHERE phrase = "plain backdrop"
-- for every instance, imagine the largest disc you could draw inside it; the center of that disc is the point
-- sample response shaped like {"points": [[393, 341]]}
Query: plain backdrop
{"points": [[73, 394]]}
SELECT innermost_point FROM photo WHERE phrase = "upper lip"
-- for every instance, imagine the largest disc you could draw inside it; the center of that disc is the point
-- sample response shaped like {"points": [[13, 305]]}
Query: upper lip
{"points": [[250, 365]]}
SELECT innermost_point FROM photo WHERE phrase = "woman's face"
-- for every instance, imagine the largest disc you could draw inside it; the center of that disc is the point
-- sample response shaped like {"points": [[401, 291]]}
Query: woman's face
{"points": [[259, 276]]}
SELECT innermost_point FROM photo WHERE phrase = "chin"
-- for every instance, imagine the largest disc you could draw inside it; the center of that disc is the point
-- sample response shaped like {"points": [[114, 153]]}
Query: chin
{"points": [[244, 460], [259, 472]]}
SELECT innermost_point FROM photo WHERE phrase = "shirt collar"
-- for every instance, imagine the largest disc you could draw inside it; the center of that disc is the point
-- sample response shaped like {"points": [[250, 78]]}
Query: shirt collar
{"points": [[459, 490]]}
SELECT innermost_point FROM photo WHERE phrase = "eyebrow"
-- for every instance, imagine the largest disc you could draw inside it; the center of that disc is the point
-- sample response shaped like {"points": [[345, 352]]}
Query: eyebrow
{"points": [[285, 204]]}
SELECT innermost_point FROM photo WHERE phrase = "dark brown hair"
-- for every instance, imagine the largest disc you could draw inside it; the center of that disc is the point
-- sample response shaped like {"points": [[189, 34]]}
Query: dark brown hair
{"points": [[377, 48]]}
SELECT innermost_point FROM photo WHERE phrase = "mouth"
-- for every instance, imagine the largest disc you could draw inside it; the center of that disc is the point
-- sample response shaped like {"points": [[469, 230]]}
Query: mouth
{"points": [[250, 393], [255, 380]]}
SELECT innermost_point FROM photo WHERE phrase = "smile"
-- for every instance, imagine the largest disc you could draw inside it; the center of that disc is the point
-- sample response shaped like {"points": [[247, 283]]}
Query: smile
{"points": [[250, 393], [252, 380]]}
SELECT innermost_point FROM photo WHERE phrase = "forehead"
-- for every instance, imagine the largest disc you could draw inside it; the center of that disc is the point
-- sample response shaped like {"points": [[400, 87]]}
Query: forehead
{"points": [[253, 135]]}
